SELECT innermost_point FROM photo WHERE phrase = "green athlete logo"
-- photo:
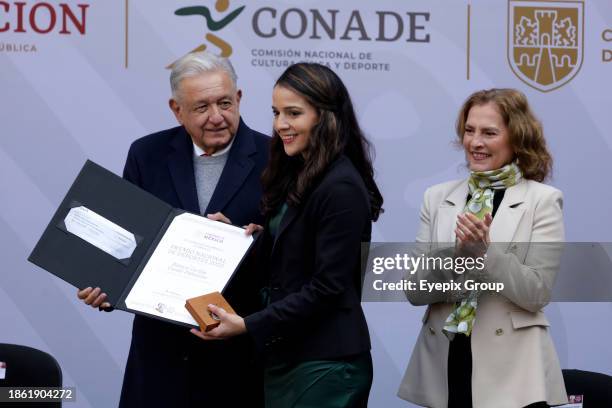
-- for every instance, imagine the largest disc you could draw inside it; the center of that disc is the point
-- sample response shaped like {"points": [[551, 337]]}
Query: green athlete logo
{"points": [[212, 25]]}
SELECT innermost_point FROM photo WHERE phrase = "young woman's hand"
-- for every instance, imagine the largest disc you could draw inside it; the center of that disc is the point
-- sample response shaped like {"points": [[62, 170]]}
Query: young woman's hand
{"points": [[230, 325]]}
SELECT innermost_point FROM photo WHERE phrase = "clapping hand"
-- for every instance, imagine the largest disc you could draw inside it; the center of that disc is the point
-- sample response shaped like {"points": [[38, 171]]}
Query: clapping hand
{"points": [[473, 234]]}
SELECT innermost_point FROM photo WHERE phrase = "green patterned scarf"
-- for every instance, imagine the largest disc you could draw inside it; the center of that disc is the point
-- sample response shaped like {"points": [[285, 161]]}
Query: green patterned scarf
{"points": [[481, 185]]}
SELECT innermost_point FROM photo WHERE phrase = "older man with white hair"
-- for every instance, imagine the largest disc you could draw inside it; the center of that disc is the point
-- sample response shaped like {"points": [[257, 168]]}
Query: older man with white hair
{"points": [[211, 163]]}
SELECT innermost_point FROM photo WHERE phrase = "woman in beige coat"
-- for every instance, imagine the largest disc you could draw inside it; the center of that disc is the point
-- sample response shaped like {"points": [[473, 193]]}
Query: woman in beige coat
{"points": [[492, 349]]}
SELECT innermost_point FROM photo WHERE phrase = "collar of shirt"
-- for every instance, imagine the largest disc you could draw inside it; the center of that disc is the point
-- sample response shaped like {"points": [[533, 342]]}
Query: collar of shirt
{"points": [[197, 151]]}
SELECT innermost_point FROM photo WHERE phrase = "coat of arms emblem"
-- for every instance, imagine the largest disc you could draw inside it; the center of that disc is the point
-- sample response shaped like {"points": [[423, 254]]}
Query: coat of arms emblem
{"points": [[545, 41]]}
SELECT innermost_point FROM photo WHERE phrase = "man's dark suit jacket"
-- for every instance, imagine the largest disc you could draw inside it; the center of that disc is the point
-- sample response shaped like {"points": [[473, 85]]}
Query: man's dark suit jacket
{"points": [[314, 274], [168, 366]]}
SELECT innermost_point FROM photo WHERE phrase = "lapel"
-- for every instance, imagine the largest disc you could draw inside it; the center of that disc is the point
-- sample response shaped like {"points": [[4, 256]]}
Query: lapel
{"points": [[289, 216], [504, 224], [293, 212], [448, 211], [238, 166], [509, 213], [180, 165]]}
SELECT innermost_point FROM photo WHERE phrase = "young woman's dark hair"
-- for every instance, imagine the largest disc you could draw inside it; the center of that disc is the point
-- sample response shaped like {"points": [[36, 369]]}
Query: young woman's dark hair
{"points": [[337, 132]]}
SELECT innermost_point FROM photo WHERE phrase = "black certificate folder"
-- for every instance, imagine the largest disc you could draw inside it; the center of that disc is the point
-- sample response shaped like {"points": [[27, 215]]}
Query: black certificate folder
{"points": [[82, 264], [141, 219]]}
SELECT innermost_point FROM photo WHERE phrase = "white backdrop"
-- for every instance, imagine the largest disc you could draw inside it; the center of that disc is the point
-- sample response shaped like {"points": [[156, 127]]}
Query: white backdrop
{"points": [[85, 79]]}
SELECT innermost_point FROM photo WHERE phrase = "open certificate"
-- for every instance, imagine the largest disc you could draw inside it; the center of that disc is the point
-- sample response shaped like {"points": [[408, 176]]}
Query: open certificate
{"points": [[194, 257], [147, 256]]}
